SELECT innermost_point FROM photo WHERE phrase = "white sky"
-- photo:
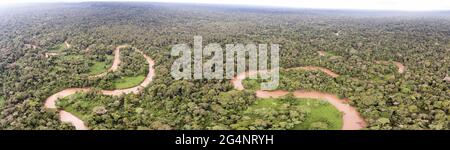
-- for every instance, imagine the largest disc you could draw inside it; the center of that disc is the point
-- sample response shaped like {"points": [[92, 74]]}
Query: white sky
{"points": [[407, 5]]}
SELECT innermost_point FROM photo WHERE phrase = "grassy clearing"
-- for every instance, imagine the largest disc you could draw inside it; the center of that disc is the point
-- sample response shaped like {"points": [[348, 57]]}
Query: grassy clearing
{"points": [[319, 114], [266, 103], [98, 67], [78, 105], [128, 82], [330, 53], [57, 48], [383, 78]]}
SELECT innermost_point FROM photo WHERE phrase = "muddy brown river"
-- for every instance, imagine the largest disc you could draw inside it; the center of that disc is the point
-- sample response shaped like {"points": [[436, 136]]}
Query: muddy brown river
{"points": [[351, 117], [50, 102]]}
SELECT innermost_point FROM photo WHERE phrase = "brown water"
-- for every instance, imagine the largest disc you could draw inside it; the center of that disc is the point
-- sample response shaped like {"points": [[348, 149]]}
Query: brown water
{"points": [[351, 118], [78, 123]]}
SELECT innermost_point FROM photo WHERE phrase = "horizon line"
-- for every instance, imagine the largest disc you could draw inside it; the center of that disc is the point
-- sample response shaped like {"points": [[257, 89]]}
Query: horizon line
{"points": [[18, 3]]}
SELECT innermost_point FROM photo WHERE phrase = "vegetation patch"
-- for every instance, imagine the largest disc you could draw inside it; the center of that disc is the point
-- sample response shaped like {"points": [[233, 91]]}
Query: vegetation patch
{"points": [[330, 53], [417, 99], [98, 67], [295, 79], [79, 105], [73, 57], [252, 84], [128, 82], [2, 101], [57, 48], [320, 115], [290, 113]]}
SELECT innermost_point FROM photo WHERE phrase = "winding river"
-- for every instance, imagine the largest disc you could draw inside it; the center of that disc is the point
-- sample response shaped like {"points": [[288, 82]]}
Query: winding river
{"points": [[352, 119], [50, 102]]}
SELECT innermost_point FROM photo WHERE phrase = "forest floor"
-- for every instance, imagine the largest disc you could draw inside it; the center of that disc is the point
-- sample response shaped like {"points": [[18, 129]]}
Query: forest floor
{"points": [[50, 102]]}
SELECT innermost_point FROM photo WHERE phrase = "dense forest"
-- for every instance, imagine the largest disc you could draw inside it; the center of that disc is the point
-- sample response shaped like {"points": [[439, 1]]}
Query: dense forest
{"points": [[48, 48]]}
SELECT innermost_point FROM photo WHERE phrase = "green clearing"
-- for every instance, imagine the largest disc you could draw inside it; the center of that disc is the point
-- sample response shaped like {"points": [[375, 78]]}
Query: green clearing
{"points": [[78, 105], [128, 82], [98, 67], [57, 48], [319, 114], [383, 78], [330, 53]]}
